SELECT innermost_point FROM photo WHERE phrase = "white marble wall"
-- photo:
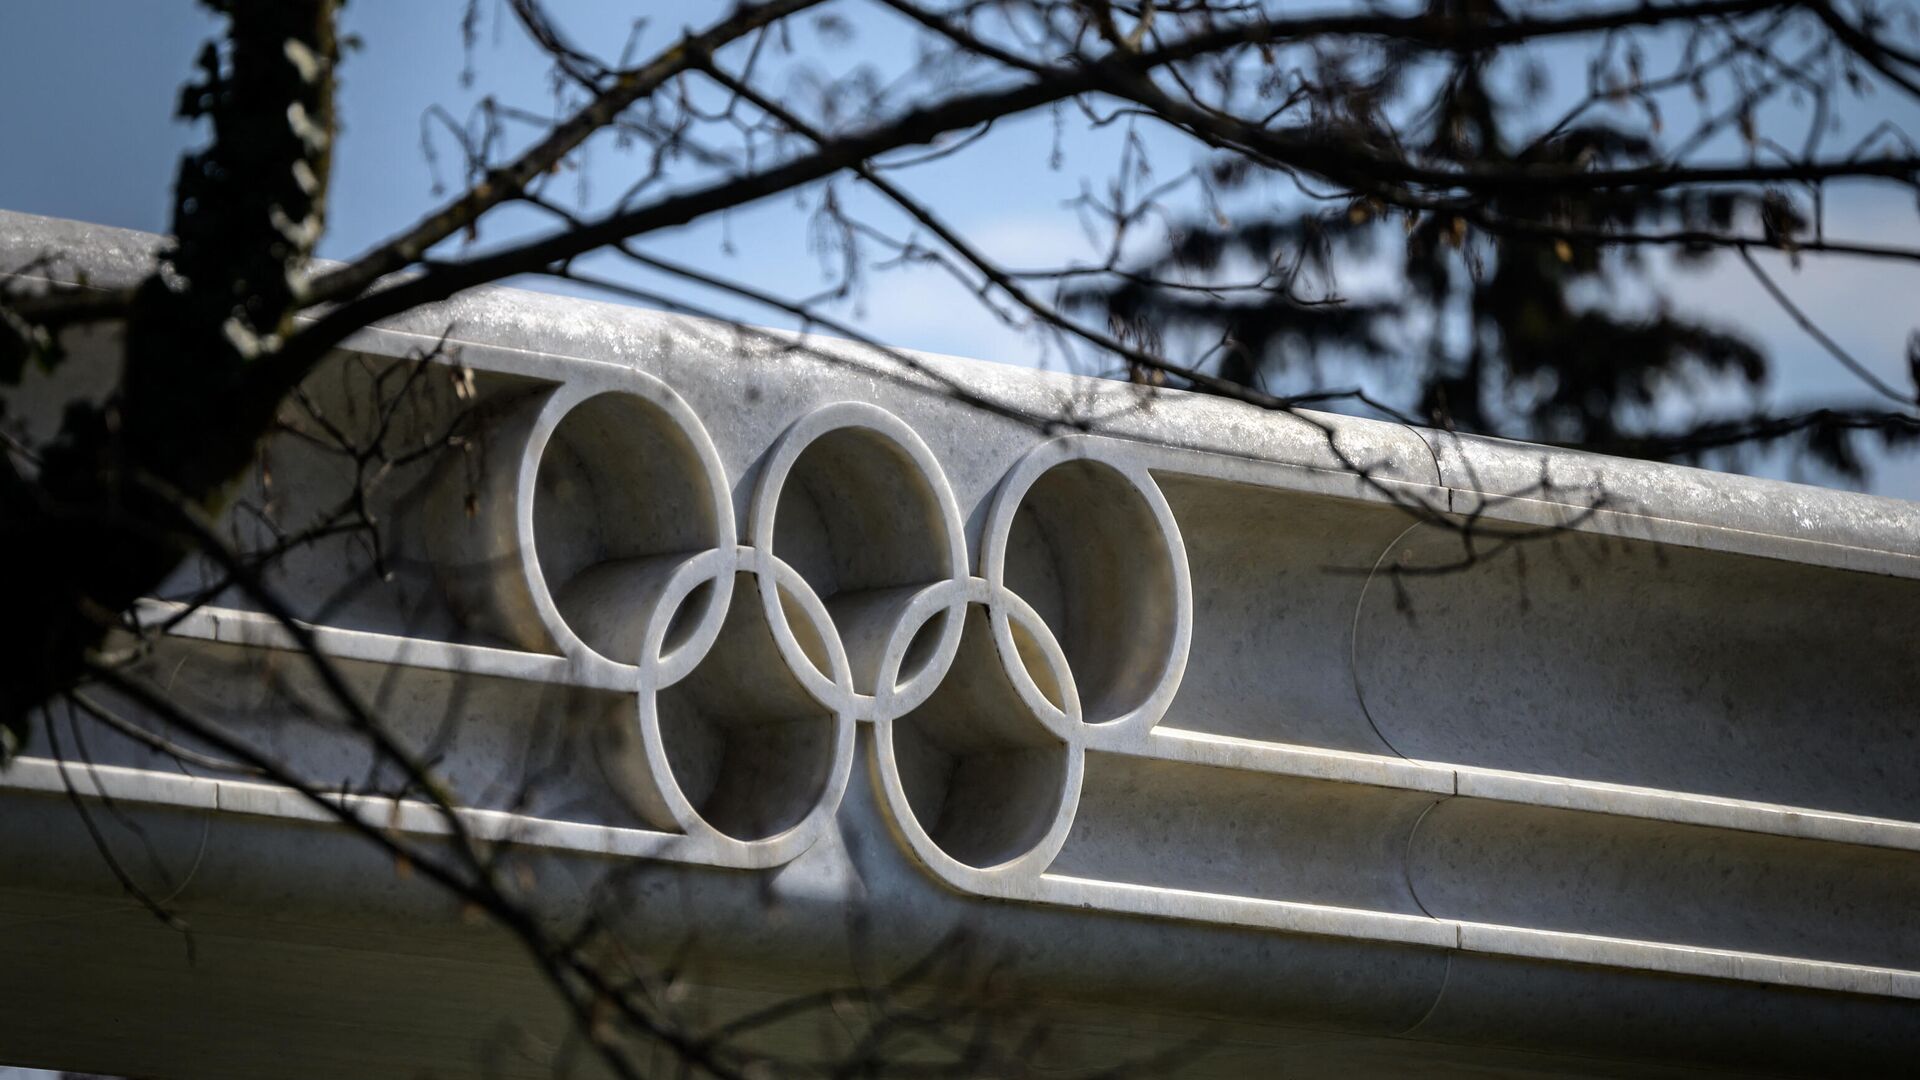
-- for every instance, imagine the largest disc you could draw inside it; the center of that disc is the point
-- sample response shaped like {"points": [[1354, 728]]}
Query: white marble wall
{"points": [[1180, 703]]}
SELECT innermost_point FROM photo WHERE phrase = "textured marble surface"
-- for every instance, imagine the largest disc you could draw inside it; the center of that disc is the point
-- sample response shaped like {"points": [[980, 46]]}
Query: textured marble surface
{"points": [[1176, 704]]}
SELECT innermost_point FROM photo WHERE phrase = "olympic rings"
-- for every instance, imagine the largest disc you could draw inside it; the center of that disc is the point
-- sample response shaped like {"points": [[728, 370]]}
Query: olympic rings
{"points": [[605, 534]]}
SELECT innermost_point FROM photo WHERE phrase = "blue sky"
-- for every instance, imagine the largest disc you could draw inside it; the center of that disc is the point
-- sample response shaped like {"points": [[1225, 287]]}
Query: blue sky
{"points": [[91, 135]]}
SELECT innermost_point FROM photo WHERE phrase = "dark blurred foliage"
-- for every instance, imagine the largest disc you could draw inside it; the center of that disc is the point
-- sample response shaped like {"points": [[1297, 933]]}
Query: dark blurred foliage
{"points": [[1492, 324]]}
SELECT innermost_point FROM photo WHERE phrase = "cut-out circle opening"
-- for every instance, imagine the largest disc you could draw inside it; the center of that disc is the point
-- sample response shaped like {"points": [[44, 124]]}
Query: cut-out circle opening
{"points": [[1086, 550], [621, 496], [855, 514], [866, 529], [749, 750], [983, 777]]}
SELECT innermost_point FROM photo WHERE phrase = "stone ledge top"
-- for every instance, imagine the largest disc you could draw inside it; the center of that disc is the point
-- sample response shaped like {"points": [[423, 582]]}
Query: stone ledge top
{"points": [[1495, 478]]}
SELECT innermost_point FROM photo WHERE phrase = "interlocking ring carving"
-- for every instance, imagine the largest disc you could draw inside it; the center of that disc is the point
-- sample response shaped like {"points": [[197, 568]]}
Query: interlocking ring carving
{"points": [[601, 528]]}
